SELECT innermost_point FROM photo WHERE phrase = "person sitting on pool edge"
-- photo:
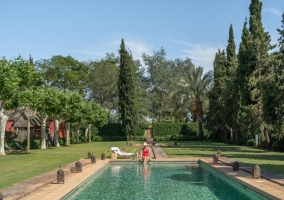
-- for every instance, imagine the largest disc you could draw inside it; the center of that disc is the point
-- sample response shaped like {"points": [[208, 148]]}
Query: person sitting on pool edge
{"points": [[145, 153]]}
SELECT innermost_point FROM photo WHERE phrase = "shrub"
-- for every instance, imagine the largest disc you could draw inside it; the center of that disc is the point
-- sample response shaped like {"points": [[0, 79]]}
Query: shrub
{"points": [[62, 141], [231, 141], [118, 138], [82, 138], [97, 138], [73, 140], [34, 144], [240, 141], [10, 143], [138, 138], [192, 138], [163, 138], [278, 146], [251, 142], [176, 137]]}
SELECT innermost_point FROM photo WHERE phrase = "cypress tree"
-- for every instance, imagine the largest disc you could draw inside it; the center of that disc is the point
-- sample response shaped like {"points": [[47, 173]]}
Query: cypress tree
{"points": [[230, 93], [276, 109], [262, 69], [254, 68], [244, 71], [127, 94], [216, 102], [280, 74]]}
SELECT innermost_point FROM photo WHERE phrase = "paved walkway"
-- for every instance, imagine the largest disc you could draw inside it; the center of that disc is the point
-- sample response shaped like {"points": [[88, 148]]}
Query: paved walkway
{"points": [[45, 186], [158, 152], [274, 177]]}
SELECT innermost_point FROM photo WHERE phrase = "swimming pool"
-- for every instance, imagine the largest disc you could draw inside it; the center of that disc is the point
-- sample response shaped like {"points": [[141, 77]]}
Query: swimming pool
{"points": [[169, 180]]}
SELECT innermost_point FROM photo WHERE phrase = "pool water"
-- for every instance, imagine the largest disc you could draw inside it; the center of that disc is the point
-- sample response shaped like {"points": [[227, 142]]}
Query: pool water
{"points": [[159, 181]]}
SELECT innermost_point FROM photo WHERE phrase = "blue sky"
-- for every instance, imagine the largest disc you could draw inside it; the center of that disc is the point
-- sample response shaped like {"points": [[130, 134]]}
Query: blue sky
{"points": [[88, 29]]}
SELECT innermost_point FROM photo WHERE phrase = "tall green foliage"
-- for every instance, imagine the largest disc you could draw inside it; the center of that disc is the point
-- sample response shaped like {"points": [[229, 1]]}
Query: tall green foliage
{"points": [[15, 75], [216, 105], [102, 85], [276, 109], [253, 72], [64, 73], [142, 99], [160, 82], [197, 85], [127, 93], [231, 90], [182, 95]]}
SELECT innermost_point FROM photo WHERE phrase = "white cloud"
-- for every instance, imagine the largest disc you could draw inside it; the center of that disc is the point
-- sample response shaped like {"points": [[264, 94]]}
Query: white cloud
{"points": [[99, 50], [92, 52], [137, 48], [273, 11], [201, 54]]}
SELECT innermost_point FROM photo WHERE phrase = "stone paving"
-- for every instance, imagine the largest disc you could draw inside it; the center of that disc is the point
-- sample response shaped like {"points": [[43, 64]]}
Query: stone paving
{"points": [[45, 186], [158, 152], [271, 176]]}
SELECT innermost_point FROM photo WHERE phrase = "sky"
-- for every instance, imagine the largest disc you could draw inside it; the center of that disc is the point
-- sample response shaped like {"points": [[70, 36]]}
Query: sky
{"points": [[89, 29]]}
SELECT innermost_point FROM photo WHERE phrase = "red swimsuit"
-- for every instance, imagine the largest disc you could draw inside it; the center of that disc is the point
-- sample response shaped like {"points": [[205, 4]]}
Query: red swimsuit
{"points": [[145, 152]]}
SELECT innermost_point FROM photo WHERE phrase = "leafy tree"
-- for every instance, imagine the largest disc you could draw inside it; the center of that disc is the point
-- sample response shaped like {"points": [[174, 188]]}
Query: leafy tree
{"points": [[89, 114], [274, 96], [142, 100], [64, 73], [254, 70], [181, 96], [15, 75], [102, 87], [216, 96], [39, 100], [127, 93], [244, 71], [160, 80], [63, 107], [231, 91], [196, 86]]}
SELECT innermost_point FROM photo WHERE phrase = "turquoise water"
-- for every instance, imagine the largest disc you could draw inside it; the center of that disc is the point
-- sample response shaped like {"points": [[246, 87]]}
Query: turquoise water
{"points": [[159, 181]]}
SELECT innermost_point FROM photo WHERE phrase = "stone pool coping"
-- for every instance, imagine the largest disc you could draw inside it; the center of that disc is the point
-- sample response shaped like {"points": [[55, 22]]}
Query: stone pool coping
{"points": [[45, 187], [265, 187]]}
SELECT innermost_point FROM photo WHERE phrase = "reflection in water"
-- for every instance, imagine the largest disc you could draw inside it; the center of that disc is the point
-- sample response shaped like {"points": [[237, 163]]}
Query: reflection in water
{"points": [[146, 175], [146, 172]]}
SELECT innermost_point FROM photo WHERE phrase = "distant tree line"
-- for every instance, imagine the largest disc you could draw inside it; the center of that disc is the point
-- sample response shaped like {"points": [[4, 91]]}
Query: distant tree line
{"points": [[241, 98], [247, 97]]}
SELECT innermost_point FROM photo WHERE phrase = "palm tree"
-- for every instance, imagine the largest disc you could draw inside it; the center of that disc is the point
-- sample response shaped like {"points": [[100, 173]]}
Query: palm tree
{"points": [[194, 87]]}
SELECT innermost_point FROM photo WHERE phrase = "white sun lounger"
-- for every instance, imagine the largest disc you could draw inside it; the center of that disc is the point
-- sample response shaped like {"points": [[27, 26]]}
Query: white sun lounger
{"points": [[121, 152]]}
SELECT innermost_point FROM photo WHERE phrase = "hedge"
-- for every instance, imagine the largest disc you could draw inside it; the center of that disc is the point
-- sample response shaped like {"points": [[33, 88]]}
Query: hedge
{"points": [[177, 131], [161, 132]]}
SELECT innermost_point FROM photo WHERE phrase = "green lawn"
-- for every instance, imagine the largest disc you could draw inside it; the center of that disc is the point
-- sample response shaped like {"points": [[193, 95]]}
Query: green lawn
{"points": [[270, 160], [16, 168]]}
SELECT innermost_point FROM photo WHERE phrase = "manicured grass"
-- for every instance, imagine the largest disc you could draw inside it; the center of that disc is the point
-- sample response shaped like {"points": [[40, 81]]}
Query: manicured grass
{"points": [[269, 160], [16, 168]]}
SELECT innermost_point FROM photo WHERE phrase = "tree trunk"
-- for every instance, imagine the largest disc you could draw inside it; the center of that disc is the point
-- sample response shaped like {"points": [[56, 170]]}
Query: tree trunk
{"points": [[200, 131], [226, 136], [86, 133], [231, 135], [236, 136], [67, 129], [77, 132], [90, 132], [43, 119], [56, 129], [28, 133], [3, 120]]}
